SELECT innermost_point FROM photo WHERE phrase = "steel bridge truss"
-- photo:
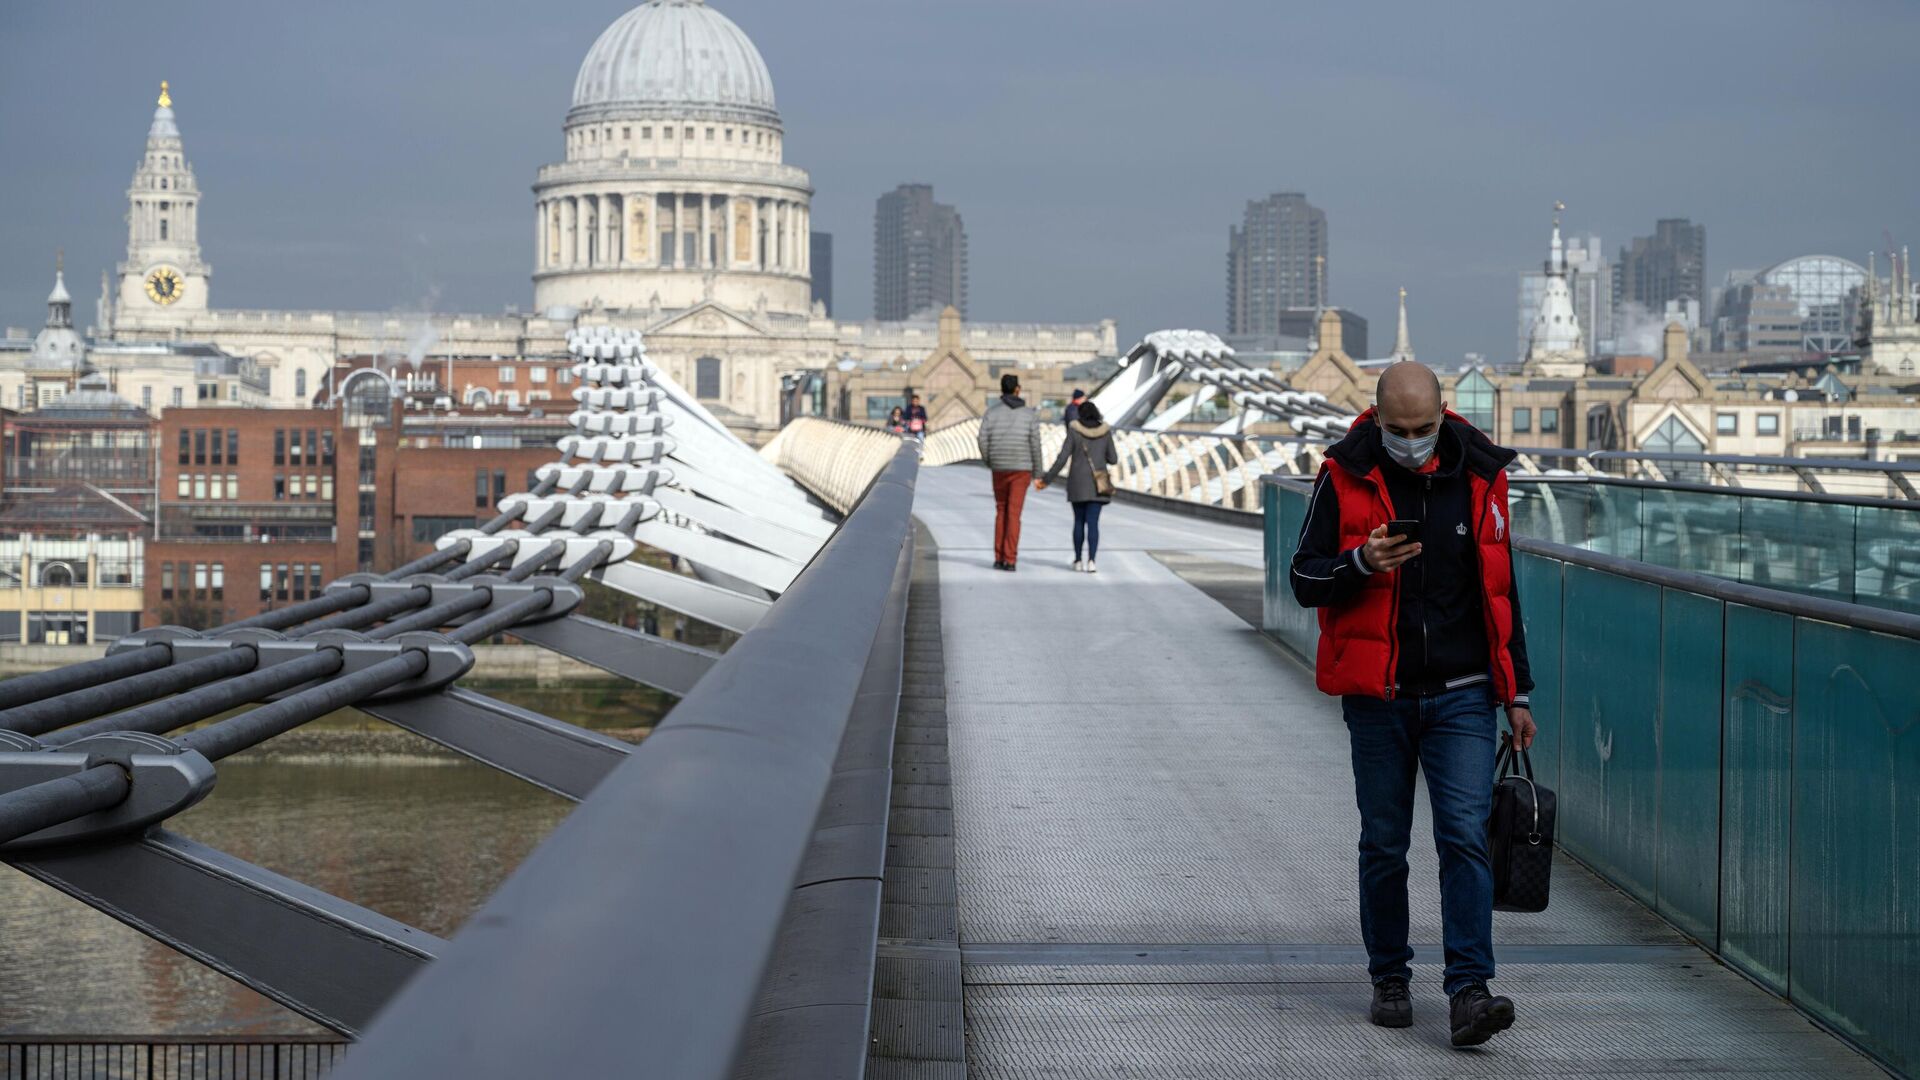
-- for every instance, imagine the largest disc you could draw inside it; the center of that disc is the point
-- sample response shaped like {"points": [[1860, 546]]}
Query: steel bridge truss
{"points": [[747, 833]]}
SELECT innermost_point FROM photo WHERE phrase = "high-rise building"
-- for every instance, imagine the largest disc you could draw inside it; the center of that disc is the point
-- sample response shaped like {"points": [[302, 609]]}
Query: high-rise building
{"points": [[1276, 260], [919, 255], [1754, 315], [1669, 265], [820, 255], [1589, 280]]}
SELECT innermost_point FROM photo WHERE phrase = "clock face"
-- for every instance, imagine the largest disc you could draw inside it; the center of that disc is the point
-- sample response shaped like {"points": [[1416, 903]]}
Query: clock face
{"points": [[164, 285]]}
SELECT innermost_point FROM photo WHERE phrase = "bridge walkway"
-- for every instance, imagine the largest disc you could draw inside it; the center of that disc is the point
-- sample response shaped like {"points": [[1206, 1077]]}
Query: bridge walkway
{"points": [[1154, 846]]}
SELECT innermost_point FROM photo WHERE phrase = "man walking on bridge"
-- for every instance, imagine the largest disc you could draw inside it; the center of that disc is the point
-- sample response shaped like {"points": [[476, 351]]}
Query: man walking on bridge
{"points": [[1420, 636], [1010, 445]]}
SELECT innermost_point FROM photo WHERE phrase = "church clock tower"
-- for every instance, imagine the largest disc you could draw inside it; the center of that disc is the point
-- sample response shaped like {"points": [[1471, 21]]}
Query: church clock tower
{"points": [[163, 278]]}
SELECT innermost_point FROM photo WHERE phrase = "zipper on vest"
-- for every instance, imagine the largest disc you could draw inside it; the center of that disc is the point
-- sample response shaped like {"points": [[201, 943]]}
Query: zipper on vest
{"points": [[1393, 608], [1426, 645]]}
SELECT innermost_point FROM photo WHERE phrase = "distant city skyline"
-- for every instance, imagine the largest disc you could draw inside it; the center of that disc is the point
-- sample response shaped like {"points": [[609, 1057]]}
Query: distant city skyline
{"points": [[1433, 151]]}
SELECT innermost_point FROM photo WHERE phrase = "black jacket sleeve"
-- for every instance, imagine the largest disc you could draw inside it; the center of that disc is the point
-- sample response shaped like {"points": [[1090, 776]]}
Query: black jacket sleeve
{"points": [[1517, 640], [1322, 574]]}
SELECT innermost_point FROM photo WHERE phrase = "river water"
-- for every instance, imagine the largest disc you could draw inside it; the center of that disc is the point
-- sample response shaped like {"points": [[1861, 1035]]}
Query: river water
{"points": [[419, 837]]}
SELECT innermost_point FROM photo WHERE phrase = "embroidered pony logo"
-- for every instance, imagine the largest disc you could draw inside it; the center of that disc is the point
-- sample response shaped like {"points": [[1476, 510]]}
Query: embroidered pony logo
{"points": [[1499, 525]]}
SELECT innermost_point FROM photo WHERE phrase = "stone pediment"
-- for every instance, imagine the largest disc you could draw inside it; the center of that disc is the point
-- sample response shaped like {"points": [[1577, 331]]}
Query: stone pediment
{"points": [[1676, 379], [1338, 377], [949, 371], [708, 318]]}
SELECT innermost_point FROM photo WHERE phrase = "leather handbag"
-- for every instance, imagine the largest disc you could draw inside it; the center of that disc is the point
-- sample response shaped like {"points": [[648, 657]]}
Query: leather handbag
{"points": [[1520, 834], [1102, 479]]}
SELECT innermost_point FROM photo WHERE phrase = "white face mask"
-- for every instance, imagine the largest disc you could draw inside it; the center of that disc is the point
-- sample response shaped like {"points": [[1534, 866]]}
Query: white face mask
{"points": [[1410, 453]]}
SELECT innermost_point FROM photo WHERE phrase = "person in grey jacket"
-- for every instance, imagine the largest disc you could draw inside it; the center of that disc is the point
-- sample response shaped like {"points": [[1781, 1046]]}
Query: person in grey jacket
{"points": [[1089, 447], [1010, 445]]}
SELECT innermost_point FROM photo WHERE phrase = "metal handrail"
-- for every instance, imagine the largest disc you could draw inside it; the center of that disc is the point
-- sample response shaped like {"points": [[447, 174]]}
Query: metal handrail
{"points": [[1881, 620], [1835, 464], [1609, 480], [675, 873]]}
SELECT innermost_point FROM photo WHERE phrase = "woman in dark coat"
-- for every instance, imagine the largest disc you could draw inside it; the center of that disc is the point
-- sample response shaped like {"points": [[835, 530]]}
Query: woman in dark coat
{"points": [[1089, 447]]}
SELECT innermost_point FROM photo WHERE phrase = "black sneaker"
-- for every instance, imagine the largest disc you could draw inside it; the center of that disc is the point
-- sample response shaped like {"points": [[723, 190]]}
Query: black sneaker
{"points": [[1392, 1007], [999, 564], [1478, 1015]]}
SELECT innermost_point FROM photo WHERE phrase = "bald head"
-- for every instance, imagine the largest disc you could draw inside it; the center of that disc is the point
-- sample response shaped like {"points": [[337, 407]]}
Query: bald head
{"points": [[1408, 398]]}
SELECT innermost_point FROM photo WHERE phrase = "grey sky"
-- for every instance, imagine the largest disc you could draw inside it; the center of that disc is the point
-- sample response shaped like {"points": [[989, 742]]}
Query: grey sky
{"points": [[377, 156]]}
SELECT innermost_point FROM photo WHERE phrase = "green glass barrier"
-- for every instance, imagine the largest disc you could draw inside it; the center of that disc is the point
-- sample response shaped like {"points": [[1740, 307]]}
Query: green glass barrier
{"points": [[1755, 800], [1297, 628], [1610, 667], [1854, 890], [1858, 554], [1742, 763], [1686, 878]]}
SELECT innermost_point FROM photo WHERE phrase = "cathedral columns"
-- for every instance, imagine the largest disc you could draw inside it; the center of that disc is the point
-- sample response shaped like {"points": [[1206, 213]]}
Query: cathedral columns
{"points": [[757, 252], [610, 247], [540, 235], [617, 228], [569, 237], [645, 211], [596, 216], [705, 253]]}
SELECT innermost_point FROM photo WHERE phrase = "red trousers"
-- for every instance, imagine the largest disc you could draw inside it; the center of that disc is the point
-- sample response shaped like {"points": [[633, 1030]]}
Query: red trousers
{"points": [[1009, 496]]}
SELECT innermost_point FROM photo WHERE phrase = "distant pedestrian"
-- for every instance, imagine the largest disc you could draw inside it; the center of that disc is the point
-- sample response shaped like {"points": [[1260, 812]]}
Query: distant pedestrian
{"points": [[917, 419], [1407, 551], [1010, 445], [1086, 454], [896, 421], [1072, 412]]}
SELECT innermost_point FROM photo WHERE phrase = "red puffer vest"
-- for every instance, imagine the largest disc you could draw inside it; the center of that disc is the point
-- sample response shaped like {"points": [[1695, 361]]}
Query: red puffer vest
{"points": [[1358, 643]]}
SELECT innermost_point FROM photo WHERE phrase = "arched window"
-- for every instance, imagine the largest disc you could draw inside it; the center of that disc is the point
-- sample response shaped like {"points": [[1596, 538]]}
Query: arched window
{"points": [[369, 396], [56, 576], [1473, 399], [706, 378], [300, 383]]}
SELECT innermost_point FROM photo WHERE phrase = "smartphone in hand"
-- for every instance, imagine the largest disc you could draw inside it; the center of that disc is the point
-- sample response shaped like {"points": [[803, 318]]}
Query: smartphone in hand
{"points": [[1405, 529]]}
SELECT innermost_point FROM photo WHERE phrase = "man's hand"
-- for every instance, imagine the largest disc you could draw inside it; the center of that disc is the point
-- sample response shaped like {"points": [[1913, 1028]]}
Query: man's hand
{"points": [[1520, 719], [1039, 484], [1384, 552]]}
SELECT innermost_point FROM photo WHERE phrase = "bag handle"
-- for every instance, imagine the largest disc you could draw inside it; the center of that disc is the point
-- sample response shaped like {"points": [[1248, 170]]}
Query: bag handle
{"points": [[1511, 762]]}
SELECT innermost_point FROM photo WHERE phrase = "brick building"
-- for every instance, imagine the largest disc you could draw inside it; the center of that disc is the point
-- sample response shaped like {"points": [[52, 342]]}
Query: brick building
{"points": [[249, 511], [260, 508]]}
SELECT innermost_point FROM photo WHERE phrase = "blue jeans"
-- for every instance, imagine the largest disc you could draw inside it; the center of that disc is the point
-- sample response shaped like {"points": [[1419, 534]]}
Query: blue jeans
{"points": [[1452, 738], [1086, 529]]}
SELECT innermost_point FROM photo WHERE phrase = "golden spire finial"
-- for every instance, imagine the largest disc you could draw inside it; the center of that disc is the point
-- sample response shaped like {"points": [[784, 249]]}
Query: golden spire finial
{"points": [[166, 99]]}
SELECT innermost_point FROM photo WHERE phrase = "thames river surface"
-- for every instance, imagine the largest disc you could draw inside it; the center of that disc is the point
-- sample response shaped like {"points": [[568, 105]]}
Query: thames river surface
{"points": [[422, 838]]}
